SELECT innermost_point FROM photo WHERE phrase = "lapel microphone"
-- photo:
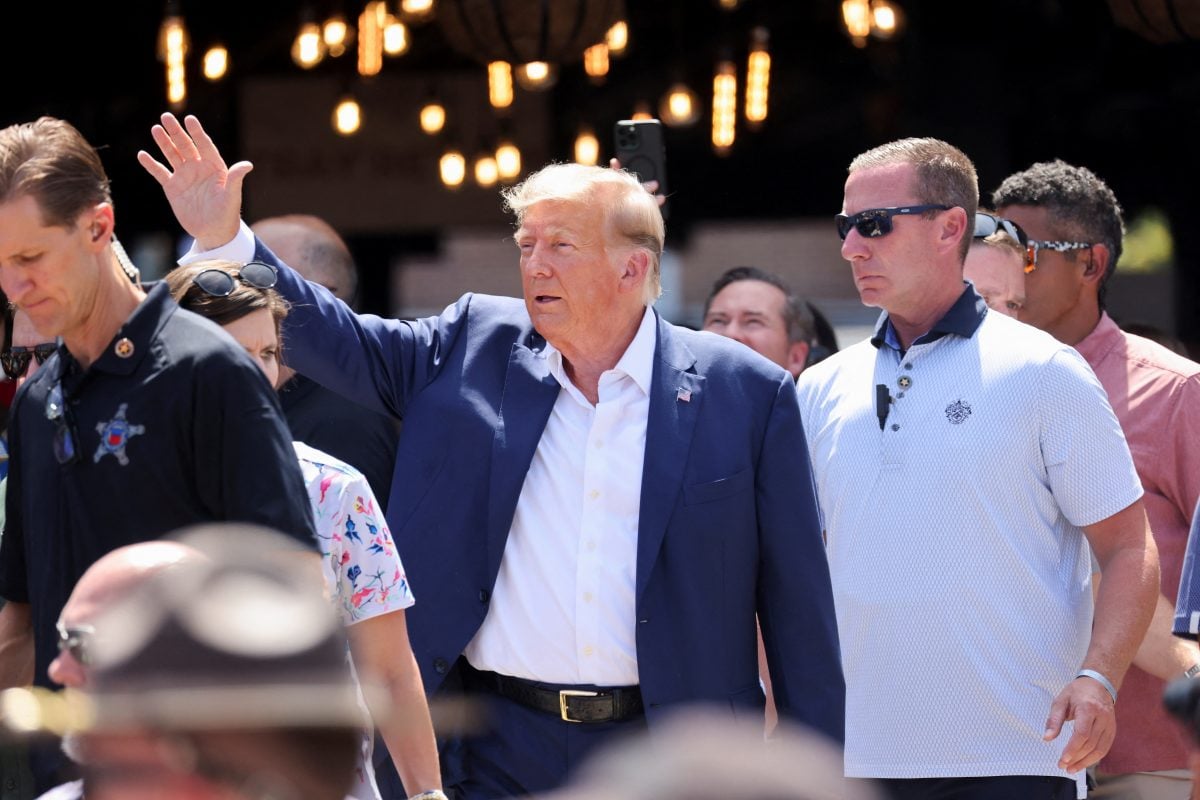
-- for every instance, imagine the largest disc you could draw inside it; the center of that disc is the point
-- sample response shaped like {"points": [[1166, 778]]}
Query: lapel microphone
{"points": [[882, 399]]}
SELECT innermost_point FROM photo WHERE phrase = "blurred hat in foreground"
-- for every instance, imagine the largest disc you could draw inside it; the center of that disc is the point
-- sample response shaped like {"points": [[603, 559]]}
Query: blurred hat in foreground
{"points": [[243, 638]]}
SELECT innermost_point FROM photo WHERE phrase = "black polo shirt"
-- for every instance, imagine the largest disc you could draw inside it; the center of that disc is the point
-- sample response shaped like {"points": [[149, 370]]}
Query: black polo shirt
{"points": [[174, 425]]}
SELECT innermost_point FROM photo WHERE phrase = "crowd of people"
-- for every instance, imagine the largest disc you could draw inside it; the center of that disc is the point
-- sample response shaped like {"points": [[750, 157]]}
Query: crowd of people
{"points": [[606, 555]]}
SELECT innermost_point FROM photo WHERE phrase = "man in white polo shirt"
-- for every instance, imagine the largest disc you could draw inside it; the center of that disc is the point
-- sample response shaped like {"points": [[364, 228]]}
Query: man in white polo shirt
{"points": [[964, 462]]}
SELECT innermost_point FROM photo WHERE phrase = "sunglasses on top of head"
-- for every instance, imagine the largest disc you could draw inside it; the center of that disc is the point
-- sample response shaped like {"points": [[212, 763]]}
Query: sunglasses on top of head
{"points": [[220, 283], [987, 224], [875, 222]]}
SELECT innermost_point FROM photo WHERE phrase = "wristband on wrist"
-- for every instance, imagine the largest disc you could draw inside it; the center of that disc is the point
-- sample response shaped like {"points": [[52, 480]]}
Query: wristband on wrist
{"points": [[1103, 681], [432, 794]]}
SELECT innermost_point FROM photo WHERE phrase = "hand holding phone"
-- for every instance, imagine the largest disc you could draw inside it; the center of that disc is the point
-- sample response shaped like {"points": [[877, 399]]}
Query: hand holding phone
{"points": [[639, 148]]}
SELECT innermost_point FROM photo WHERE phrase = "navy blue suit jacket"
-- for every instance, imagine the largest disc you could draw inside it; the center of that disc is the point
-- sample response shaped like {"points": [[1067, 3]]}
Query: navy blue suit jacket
{"points": [[728, 525]]}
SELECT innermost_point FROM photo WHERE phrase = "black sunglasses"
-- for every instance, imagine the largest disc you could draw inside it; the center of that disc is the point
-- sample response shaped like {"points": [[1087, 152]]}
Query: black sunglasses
{"points": [[66, 439], [987, 224], [220, 283], [876, 222], [16, 359], [76, 640]]}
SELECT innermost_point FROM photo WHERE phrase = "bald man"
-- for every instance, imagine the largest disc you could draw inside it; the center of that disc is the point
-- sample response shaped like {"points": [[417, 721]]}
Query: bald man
{"points": [[318, 416]]}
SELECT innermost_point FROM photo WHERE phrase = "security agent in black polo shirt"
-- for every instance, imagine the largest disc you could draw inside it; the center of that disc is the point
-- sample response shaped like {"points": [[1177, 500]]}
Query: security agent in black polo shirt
{"points": [[147, 417]]}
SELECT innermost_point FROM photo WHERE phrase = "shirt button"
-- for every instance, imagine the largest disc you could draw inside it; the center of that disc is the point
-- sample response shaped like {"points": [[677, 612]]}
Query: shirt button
{"points": [[587, 651], [599, 443], [908, 365], [895, 427], [587, 597], [594, 494], [591, 545], [484, 595], [440, 666]]}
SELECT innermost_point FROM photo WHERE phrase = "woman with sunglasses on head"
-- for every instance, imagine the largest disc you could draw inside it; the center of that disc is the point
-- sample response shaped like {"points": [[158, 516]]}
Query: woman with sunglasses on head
{"points": [[361, 568]]}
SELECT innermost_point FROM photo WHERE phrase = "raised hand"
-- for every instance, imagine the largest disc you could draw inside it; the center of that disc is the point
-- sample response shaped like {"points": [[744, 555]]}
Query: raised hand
{"points": [[205, 194]]}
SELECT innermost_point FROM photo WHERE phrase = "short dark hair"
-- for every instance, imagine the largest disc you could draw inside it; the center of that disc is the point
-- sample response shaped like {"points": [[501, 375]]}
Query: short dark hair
{"points": [[50, 161], [796, 314], [1075, 198]]}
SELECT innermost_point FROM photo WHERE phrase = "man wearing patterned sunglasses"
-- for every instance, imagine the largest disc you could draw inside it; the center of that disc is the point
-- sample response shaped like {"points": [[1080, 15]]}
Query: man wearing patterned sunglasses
{"points": [[1076, 224], [146, 419], [964, 462]]}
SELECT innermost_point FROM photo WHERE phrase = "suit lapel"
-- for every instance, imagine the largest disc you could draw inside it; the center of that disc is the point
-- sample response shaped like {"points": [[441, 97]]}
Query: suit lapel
{"points": [[525, 405], [676, 393]]}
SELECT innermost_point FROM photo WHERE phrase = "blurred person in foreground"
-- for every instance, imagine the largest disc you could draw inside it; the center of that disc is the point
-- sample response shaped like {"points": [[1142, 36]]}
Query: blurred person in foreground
{"points": [[758, 309], [574, 622], [996, 263], [699, 754], [217, 675], [1075, 225], [967, 462], [363, 573], [318, 416], [146, 418]]}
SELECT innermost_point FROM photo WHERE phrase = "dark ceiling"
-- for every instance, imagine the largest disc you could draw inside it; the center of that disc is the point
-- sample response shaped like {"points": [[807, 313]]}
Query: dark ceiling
{"points": [[1010, 83]]}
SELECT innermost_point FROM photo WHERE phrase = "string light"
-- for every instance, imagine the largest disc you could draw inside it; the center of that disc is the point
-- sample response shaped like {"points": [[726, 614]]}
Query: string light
{"points": [[724, 110], [587, 148], [395, 37], [334, 33], [758, 77], [886, 19], [309, 47], [486, 171], [433, 117], [617, 37], [679, 107], [500, 85], [416, 10], [347, 116], [216, 62], [370, 38], [172, 48], [537, 75], [856, 15], [453, 168], [641, 111], [595, 61], [508, 160]]}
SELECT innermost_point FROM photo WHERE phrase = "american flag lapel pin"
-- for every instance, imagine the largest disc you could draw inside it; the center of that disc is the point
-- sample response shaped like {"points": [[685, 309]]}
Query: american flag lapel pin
{"points": [[684, 396]]}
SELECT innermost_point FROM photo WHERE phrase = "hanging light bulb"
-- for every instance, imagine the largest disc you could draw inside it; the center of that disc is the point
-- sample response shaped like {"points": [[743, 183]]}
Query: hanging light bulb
{"points": [[729, 5], [724, 110], [641, 110], [679, 107], [587, 148], [486, 170], [537, 75], [617, 38], [758, 77], [433, 117], [508, 160], [416, 11], [500, 85], [856, 15], [595, 62], [335, 33], [172, 49], [347, 116], [887, 19], [371, 23], [395, 37], [309, 47], [216, 62], [453, 168]]}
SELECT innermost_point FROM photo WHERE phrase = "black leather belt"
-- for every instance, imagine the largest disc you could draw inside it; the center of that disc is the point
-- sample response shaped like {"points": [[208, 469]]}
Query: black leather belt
{"points": [[610, 704]]}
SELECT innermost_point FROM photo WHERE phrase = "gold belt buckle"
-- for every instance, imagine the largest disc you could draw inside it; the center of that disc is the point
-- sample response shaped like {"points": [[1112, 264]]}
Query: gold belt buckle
{"points": [[563, 694]]}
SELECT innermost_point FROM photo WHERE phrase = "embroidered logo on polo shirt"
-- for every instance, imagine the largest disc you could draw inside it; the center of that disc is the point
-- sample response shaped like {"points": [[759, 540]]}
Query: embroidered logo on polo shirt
{"points": [[113, 436], [958, 411]]}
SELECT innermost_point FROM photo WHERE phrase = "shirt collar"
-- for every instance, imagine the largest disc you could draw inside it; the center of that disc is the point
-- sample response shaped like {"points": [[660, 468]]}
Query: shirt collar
{"points": [[1103, 338], [637, 361], [134, 337], [961, 319]]}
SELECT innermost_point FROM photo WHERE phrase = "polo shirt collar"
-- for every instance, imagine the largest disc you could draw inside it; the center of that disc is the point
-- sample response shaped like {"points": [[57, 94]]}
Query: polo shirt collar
{"points": [[961, 319], [140, 329]]}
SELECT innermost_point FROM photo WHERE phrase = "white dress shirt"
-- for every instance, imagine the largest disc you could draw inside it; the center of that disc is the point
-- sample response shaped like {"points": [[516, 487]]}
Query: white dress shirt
{"points": [[562, 610]]}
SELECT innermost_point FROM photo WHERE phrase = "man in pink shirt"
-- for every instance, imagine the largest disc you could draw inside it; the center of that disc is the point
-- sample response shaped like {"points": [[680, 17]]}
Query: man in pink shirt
{"points": [[1075, 224]]}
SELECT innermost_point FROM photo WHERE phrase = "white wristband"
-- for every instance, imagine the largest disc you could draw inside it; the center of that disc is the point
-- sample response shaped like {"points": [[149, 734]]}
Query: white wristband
{"points": [[1103, 681]]}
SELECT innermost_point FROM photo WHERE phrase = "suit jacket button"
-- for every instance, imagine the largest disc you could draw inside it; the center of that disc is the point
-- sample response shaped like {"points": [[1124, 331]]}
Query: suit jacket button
{"points": [[440, 666], [484, 595]]}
